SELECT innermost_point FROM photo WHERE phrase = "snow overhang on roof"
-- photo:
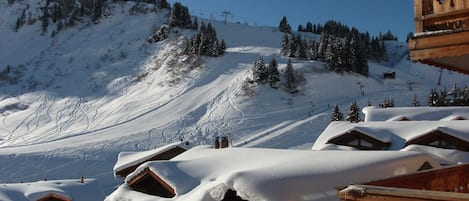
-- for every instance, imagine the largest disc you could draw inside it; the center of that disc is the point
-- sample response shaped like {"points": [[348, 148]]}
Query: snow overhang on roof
{"points": [[415, 113], [74, 190], [395, 132], [131, 160], [272, 174]]}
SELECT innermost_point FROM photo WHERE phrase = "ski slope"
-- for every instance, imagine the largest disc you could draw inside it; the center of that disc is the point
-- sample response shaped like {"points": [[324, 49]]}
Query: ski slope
{"points": [[95, 90]]}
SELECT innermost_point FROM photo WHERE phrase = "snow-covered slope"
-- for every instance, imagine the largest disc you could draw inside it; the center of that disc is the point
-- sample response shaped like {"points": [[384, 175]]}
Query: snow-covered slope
{"points": [[72, 102]]}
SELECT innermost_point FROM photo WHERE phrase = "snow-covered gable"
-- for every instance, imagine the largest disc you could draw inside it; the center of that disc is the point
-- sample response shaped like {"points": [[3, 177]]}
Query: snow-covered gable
{"points": [[271, 174], [397, 133], [127, 160], [443, 156], [415, 113], [74, 190]]}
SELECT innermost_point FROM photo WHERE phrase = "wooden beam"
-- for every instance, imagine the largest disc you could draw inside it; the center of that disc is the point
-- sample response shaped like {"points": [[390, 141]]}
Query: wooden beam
{"points": [[378, 193], [439, 40], [440, 52], [418, 14]]}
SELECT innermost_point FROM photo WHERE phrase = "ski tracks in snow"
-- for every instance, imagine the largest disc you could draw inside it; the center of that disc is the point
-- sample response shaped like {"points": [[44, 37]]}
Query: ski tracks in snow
{"points": [[276, 131]]}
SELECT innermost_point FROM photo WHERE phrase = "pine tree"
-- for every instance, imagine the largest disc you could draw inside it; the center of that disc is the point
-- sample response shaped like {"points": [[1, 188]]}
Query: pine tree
{"points": [[195, 25], [312, 50], [454, 96], [180, 16], [222, 47], [284, 48], [284, 26], [353, 114], [336, 114], [97, 10], [443, 98], [259, 71], [273, 74], [290, 78], [465, 96], [323, 46], [300, 28], [162, 4], [309, 27], [45, 18], [433, 98], [415, 101]]}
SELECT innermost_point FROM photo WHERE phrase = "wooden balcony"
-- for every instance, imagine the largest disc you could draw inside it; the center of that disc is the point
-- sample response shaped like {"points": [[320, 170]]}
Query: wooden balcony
{"points": [[442, 34], [448, 183]]}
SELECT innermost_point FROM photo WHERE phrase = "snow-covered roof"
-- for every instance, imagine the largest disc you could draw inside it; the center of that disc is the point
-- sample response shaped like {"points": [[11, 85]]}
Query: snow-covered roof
{"points": [[271, 174], [70, 189], [415, 113], [129, 159], [396, 132], [443, 156]]}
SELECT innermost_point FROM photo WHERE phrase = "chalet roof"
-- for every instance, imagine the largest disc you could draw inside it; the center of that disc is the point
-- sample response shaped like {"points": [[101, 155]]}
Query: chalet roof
{"points": [[443, 156], [396, 132], [273, 174], [70, 189], [128, 159], [415, 113]]}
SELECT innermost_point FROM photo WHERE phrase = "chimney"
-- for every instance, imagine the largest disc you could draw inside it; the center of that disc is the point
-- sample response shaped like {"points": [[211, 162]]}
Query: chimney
{"points": [[217, 143], [224, 142]]}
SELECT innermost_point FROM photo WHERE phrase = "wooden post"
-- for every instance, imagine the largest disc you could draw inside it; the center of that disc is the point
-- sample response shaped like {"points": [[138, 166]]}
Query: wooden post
{"points": [[418, 15], [224, 142], [217, 143]]}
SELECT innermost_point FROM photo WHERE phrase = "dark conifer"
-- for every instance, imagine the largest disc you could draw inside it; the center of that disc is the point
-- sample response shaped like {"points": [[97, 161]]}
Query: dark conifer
{"points": [[273, 74], [336, 114], [284, 26], [290, 78], [353, 114]]}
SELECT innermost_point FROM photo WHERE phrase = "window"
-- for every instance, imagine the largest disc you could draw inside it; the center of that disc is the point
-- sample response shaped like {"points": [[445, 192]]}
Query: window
{"points": [[425, 166]]}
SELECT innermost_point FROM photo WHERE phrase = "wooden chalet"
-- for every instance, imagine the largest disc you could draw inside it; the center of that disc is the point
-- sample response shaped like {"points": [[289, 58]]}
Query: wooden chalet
{"points": [[150, 183], [449, 183], [441, 34], [129, 161], [441, 139], [54, 197], [359, 140]]}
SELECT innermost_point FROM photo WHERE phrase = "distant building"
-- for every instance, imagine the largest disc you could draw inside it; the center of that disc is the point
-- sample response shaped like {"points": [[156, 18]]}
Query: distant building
{"points": [[442, 133], [415, 113], [53, 190]]}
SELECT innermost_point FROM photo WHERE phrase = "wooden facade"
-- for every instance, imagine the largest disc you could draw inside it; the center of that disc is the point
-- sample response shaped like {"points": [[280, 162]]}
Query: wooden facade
{"points": [[54, 197], [169, 154], [150, 183], [450, 183], [440, 139], [442, 34], [359, 140]]}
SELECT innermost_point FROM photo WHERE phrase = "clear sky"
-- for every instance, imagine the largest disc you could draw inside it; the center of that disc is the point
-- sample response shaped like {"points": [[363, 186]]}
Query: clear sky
{"points": [[373, 16]]}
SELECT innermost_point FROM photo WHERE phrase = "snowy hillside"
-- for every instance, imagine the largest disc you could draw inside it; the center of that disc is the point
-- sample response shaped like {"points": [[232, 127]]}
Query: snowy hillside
{"points": [[70, 103]]}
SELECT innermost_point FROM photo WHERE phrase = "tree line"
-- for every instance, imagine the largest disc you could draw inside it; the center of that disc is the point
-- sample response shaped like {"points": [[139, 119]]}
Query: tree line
{"points": [[205, 42], [454, 97], [343, 49], [263, 73], [67, 13]]}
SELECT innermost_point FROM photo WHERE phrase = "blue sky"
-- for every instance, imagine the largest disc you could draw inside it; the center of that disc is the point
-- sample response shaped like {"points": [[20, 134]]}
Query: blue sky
{"points": [[367, 15]]}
